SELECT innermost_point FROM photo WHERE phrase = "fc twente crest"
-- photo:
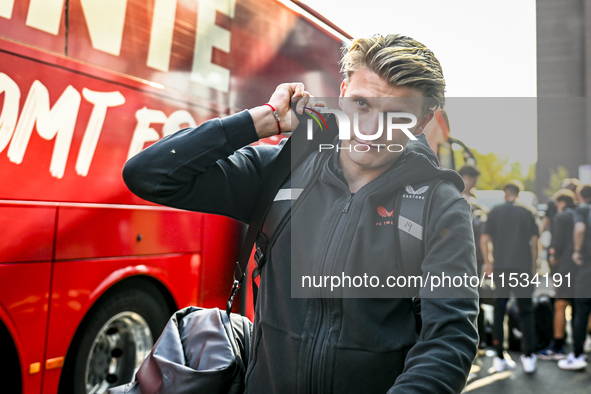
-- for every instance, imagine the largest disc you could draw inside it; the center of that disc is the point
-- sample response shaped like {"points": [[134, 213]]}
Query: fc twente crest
{"points": [[383, 212]]}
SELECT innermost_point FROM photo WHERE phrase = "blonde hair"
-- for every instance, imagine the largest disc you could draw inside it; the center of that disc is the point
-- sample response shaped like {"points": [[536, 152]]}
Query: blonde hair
{"points": [[401, 61]]}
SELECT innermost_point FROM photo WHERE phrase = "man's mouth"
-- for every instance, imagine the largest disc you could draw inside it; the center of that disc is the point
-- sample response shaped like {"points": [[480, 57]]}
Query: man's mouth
{"points": [[371, 145]]}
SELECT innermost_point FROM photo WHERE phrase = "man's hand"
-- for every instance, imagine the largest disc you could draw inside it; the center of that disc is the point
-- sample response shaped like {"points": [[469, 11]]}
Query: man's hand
{"points": [[486, 249], [284, 95], [534, 243], [578, 238], [577, 259], [552, 256]]}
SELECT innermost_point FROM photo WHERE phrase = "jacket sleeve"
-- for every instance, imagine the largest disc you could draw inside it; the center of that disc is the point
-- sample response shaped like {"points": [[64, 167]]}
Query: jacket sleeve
{"points": [[204, 169], [441, 359]]}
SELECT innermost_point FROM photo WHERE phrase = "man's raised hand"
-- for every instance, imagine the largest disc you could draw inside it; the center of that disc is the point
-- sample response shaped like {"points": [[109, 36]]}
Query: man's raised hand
{"points": [[282, 99]]}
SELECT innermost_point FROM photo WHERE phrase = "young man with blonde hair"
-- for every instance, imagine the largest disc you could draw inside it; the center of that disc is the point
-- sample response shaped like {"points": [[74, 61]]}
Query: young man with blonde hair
{"points": [[334, 214]]}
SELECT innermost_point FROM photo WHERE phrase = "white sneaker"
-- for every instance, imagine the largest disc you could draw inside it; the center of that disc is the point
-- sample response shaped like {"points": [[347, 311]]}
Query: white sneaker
{"points": [[587, 345], [573, 363], [503, 364], [529, 363]]}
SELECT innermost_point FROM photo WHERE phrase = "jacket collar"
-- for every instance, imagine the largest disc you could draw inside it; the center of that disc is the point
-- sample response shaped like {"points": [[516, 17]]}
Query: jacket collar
{"points": [[418, 163]]}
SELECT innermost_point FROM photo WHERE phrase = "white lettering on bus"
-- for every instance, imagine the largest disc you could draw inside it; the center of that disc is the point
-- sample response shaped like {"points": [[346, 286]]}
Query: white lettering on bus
{"points": [[60, 120], [178, 120], [209, 35], [57, 122], [101, 101], [9, 114], [143, 133], [45, 15], [105, 20], [6, 7], [161, 34]]}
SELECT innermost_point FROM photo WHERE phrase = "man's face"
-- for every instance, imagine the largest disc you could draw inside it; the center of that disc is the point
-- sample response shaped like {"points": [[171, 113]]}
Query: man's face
{"points": [[561, 205], [370, 96], [469, 182]]}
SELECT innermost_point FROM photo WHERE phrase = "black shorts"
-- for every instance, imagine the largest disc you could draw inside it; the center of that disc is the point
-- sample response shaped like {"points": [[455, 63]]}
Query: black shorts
{"points": [[565, 292]]}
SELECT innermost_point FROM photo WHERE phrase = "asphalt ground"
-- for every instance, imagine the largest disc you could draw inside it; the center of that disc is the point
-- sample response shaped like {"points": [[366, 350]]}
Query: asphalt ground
{"points": [[547, 379]]}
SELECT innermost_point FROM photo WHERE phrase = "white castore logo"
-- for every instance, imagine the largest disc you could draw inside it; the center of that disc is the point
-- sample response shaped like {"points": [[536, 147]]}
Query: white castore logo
{"points": [[412, 191]]}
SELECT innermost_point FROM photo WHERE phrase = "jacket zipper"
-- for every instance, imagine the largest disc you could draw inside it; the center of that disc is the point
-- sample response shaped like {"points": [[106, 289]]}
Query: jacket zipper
{"points": [[316, 363], [316, 370], [348, 204]]}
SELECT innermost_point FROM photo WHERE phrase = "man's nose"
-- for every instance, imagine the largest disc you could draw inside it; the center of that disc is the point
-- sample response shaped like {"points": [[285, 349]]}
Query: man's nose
{"points": [[369, 125]]}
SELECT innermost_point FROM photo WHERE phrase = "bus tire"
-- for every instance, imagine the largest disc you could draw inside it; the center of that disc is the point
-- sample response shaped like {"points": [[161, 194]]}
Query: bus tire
{"points": [[115, 337]]}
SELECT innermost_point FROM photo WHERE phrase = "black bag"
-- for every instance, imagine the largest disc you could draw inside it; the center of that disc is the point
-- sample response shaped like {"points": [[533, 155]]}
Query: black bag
{"points": [[199, 351]]}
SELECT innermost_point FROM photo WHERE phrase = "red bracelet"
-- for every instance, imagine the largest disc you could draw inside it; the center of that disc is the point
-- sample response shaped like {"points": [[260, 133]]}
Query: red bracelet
{"points": [[276, 115]]}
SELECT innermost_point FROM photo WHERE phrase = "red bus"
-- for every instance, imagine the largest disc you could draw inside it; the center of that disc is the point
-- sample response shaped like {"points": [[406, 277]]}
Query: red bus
{"points": [[89, 273]]}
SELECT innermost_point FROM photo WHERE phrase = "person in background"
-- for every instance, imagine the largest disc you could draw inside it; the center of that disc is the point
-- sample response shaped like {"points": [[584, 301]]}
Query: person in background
{"points": [[567, 183], [582, 304], [587, 346], [512, 231], [560, 259], [470, 176]]}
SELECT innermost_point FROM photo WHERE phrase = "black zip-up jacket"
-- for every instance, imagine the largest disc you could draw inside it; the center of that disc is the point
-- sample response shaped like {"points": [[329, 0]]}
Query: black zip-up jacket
{"points": [[323, 344]]}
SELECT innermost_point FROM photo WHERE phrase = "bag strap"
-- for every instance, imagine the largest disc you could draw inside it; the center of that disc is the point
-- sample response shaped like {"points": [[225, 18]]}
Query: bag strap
{"points": [[265, 244], [271, 184], [414, 206], [291, 154]]}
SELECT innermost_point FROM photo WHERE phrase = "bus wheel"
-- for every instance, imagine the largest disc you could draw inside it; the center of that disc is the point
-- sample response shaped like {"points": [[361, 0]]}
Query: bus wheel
{"points": [[117, 335]]}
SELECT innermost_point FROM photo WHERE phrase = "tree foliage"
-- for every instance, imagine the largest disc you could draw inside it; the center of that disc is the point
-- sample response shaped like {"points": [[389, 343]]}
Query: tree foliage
{"points": [[496, 171]]}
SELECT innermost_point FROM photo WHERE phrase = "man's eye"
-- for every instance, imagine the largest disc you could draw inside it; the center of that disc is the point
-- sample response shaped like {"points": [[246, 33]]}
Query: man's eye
{"points": [[361, 103]]}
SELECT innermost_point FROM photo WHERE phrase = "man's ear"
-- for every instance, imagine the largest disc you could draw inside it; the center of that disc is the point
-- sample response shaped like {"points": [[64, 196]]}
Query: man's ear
{"points": [[423, 122]]}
